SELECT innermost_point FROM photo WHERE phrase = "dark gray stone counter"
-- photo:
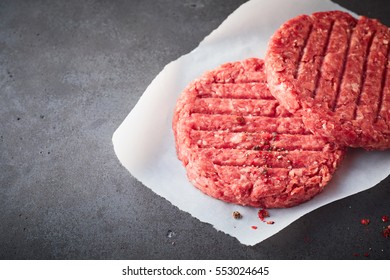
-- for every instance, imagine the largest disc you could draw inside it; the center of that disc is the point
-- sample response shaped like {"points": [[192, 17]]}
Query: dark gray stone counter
{"points": [[70, 72]]}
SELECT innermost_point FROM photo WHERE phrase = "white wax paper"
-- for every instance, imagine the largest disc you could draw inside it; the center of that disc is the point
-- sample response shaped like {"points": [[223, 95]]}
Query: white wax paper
{"points": [[144, 142]]}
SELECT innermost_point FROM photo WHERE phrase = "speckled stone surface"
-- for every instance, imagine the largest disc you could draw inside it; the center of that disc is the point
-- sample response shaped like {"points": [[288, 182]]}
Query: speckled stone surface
{"points": [[70, 72]]}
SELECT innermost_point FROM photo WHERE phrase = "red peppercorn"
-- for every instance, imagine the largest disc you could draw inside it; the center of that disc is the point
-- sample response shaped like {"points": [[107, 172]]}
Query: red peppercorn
{"points": [[240, 120], [365, 221], [385, 218], [386, 232], [254, 227]]}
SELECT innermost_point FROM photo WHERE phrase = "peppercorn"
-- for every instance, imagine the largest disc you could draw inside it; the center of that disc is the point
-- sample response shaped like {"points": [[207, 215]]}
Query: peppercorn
{"points": [[237, 215]]}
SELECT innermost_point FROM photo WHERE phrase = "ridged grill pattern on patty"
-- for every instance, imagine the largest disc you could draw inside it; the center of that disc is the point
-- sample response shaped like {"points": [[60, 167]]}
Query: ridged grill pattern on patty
{"points": [[240, 145], [333, 69]]}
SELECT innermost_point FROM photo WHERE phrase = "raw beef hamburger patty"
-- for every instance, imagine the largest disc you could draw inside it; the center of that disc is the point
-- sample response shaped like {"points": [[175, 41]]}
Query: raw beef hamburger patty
{"points": [[239, 145], [334, 71]]}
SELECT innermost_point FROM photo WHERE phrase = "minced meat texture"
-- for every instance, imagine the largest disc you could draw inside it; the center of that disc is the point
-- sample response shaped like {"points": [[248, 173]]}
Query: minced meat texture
{"points": [[238, 144], [334, 71]]}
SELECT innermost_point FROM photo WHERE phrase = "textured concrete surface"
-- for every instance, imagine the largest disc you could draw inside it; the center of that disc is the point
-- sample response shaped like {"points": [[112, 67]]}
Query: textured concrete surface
{"points": [[70, 72]]}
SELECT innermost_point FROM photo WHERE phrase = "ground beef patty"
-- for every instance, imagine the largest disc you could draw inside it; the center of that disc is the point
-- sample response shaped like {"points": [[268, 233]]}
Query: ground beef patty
{"points": [[334, 71], [239, 145]]}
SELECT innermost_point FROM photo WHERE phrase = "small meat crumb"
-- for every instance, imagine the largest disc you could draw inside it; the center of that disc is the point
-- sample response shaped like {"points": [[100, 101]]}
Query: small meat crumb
{"points": [[237, 215], [365, 221], [263, 213], [270, 222]]}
